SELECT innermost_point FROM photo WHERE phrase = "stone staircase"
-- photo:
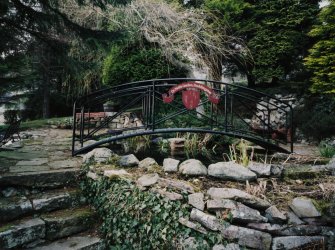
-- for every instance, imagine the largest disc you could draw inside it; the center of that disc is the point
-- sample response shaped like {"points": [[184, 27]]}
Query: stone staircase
{"points": [[41, 206]]}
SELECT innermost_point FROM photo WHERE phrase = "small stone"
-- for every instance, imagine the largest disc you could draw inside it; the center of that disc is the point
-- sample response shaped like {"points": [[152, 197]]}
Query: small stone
{"points": [[274, 215], [293, 219], [277, 170], [208, 221], [242, 214], [231, 246], [247, 237], [197, 200], [192, 225], [172, 196], [295, 242], [266, 227], [192, 167], [220, 204], [128, 161], [304, 207], [148, 163], [238, 195], [299, 182], [231, 171], [170, 165], [9, 192], [148, 180], [262, 170], [116, 173], [92, 175], [98, 155], [176, 184]]}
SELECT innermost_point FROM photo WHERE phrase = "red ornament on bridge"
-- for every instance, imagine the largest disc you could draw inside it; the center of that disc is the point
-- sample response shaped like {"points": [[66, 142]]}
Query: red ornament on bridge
{"points": [[191, 94]]}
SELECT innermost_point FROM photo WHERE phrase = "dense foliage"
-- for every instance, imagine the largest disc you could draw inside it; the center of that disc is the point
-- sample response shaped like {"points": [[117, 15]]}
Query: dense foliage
{"points": [[321, 60], [137, 219], [127, 64], [275, 33]]}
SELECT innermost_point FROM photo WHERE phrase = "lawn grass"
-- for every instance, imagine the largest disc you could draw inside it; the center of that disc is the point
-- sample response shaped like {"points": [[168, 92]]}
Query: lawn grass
{"points": [[40, 123]]}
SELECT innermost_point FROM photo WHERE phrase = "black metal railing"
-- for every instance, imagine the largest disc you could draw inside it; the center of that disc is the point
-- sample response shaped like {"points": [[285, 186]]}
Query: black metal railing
{"points": [[241, 112]]}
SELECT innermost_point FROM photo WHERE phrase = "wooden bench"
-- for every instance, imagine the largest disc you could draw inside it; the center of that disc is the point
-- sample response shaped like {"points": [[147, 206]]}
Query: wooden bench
{"points": [[8, 134]]}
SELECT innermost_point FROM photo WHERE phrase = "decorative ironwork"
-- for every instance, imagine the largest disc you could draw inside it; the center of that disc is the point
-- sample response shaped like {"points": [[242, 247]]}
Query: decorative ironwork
{"points": [[152, 107]]}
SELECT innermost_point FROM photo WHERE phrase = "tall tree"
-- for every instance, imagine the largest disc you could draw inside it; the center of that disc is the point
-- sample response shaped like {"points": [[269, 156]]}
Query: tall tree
{"points": [[274, 31], [321, 58]]}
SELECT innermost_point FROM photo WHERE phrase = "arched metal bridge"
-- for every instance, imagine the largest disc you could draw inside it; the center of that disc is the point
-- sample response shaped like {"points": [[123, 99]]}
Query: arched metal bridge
{"points": [[180, 105]]}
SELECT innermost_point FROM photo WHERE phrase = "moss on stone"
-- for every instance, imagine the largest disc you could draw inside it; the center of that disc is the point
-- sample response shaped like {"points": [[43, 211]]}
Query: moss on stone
{"points": [[322, 206], [6, 227]]}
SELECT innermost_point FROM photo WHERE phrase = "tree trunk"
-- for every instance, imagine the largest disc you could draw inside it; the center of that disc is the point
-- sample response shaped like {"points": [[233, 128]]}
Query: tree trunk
{"points": [[46, 96]]}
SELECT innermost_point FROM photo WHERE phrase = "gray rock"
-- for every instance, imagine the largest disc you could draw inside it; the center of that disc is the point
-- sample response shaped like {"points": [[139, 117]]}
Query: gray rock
{"points": [[197, 200], [266, 227], [277, 170], [148, 180], [9, 192], [238, 195], [193, 225], [98, 155], [176, 184], [63, 223], [170, 165], [220, 204], [274, 215], [247, 237], [208, 221], [172, 196], [192, 167], [92, 175], [304, 207], [128, 161], [242, 214], [14, 236], [14, 207], [116, 173], [262, 170], [231, 171], [293, 219], [148, 163], [75, 243], [296, 242], [304, 230], [231, 246]]}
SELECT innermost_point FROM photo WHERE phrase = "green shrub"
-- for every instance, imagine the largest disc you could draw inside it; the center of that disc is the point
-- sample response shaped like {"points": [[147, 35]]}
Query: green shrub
{"points": [[129, 63], [326, 150], [137, 219]]}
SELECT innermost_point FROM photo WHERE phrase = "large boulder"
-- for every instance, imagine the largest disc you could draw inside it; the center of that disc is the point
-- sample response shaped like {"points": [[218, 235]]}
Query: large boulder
{"points": [[231, 171], [238, 195], [98, 155], [304, 207], [192, 167]]}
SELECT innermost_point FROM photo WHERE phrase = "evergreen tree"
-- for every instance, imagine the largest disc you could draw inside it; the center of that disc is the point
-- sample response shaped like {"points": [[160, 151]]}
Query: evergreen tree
{"points": [[321, 60]]}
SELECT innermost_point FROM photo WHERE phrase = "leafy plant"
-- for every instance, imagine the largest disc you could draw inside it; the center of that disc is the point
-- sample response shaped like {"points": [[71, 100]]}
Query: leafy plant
{"points": [[326, 150], [135, 219]]}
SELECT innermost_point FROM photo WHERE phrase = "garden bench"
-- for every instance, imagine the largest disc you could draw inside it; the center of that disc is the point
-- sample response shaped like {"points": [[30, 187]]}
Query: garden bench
{"points": [[8, 134]]}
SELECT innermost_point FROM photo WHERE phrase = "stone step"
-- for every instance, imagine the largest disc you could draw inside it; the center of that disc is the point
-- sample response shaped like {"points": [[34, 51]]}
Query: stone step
{"points": [[18, 206], [74, 243], [29, 232], [18, 233], [63, 223], [50, 178]]}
